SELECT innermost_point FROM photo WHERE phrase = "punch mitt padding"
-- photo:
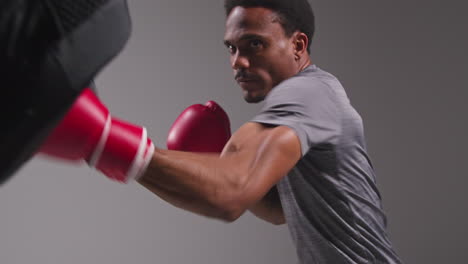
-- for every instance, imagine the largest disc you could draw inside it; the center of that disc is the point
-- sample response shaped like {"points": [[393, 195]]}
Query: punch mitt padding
{"points": [[50, 51]]}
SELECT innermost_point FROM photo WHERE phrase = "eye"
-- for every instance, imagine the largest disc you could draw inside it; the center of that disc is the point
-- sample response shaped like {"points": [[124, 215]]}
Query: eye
{"points": [[256, 43], [231, 48]]}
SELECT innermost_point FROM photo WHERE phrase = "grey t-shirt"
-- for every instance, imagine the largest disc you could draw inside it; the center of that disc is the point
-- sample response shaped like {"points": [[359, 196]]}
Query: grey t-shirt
{"points": [[330, 199]]}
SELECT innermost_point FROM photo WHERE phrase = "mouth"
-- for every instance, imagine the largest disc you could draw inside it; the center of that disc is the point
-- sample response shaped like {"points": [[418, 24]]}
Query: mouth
{"points": [[244, 77], [249, 85], [245, 80], [248, 81]]}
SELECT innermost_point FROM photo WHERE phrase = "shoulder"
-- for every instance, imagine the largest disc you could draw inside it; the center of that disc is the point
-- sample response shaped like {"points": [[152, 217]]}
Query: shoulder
{"points": [[310, 84]]}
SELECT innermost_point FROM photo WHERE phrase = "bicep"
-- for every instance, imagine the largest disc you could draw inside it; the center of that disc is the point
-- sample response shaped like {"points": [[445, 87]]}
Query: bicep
{"points": [[265, 155]]}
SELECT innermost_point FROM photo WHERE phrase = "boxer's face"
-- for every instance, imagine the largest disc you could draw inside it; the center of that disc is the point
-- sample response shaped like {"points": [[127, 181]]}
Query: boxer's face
{"points": [[261, 54]]}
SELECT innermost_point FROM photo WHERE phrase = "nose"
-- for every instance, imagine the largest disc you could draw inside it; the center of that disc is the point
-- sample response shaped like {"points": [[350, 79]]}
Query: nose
{"points": [[239, 61]]}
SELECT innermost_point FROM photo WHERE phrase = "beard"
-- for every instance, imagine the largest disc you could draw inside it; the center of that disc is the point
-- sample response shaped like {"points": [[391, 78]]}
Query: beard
{"points": [[254, 97], [253, 100]]}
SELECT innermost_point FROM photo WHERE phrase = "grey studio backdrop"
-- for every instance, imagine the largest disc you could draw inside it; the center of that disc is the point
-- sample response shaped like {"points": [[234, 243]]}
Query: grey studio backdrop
{"points": [[404, 65]]}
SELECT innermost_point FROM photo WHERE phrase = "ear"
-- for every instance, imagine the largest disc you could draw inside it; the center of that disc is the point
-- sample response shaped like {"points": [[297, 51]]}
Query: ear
{"points": [[300, 43]]}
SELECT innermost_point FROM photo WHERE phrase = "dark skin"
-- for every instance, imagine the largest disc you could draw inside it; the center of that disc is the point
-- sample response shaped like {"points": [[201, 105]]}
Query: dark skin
{"points": [[262, 55], [257, 156]]}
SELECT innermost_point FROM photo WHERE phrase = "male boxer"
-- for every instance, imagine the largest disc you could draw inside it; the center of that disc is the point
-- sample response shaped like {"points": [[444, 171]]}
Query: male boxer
{"points": [[301, 160]]}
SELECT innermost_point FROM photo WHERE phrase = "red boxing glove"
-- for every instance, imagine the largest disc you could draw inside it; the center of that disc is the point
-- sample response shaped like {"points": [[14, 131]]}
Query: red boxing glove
{"points": [[200, 128], [120, 150]]}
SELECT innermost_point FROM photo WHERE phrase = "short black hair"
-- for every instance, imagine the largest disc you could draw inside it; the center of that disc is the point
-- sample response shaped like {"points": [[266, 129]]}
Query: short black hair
{"points": [[295, 15]]}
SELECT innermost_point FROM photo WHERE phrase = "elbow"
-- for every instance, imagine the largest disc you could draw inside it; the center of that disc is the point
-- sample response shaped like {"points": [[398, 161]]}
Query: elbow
{"points": [[231, 202], [230, 217], [230, 212], [230, 207]]}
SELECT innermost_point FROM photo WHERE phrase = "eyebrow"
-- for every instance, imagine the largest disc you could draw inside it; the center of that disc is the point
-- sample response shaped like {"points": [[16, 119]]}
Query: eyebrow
{"points": [[245, 37]]}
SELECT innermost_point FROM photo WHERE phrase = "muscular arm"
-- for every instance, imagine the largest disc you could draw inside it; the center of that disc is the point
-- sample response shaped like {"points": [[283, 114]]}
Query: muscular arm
{"points": [[269, 208], [225, 186]]}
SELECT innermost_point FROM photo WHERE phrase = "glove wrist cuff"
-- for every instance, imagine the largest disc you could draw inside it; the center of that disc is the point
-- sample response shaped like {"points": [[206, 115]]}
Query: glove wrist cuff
{"points": [[101, 143]]}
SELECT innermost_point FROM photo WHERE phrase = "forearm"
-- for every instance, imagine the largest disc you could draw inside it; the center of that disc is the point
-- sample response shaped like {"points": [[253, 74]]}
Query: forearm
{"points": [[269, 208], [225, 186], [201, 183]]}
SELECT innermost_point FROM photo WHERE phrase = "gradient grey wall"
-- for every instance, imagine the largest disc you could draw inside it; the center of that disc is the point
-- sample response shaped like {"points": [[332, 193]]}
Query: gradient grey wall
{"points": [[404, 66]]}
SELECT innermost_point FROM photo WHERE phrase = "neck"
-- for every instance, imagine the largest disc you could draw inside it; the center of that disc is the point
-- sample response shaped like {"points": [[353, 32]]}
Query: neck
{"points": [[304, 62]]}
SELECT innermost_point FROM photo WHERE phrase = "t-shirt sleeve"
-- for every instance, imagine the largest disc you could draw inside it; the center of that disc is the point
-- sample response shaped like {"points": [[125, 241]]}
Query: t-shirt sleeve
{"points": [[308, 107]]}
